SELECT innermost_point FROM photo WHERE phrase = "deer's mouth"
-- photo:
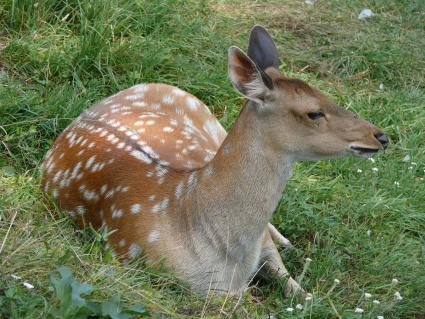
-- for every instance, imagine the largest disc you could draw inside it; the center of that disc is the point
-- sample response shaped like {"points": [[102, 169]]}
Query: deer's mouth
{"points": [[364, 151]]}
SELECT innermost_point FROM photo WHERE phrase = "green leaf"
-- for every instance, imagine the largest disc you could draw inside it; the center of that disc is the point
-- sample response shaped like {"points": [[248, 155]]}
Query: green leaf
{"points": [[70, 293], [113, 308], [139, 309]]}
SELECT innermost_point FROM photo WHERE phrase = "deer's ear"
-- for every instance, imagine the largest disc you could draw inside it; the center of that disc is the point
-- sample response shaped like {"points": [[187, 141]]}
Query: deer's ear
{"points": [[245, 76], [262, 49]]}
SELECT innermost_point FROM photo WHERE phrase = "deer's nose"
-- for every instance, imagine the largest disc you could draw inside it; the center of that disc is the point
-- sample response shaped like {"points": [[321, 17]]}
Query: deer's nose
{"points": [[383, 139]]}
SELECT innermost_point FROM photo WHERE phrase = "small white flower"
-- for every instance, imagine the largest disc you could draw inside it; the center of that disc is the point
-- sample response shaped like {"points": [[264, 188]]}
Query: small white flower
{"points": [[376, 302], [28, 285], [410, 167], [381, 86], [359, 170], [414, 163], [367, 295], [398, 296], [299, 306], [407, 158], [15, 277], [336, 281], [371, 159], [396, 183], [365, 13], [394, 281], [309, 2], [358, 310], [308, 260], [289, 309], [309, 297], [368, 232], [380, 317], [374, 169]]}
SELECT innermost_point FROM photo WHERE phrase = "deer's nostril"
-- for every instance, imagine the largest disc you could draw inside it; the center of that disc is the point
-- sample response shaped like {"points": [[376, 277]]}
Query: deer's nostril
{"points": [[383, 139]]}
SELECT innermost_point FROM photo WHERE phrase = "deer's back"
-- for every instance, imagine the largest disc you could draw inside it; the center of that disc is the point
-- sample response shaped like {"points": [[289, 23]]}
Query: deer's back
{"points": [[125, 162]]}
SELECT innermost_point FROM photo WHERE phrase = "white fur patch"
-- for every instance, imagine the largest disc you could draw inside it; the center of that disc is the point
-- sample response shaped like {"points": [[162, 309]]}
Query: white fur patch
{"points": [[153, 236], [141, 156], [135, 208], [161, 205], [134, 250]]}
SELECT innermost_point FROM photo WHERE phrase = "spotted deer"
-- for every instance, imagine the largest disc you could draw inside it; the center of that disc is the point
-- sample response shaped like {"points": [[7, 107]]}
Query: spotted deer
{"points": [[155, 166]]}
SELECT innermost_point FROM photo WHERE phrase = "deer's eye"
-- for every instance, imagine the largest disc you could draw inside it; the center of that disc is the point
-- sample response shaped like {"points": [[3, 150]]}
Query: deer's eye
{"points": [[315, 115]]}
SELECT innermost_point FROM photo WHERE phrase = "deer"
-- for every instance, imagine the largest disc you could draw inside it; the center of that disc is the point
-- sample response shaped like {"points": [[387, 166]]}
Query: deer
{"points": [[154, 165]]}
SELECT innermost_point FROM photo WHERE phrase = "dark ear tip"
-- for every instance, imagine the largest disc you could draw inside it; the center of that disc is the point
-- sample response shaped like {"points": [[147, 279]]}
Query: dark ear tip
{"points": [[258, 29]]}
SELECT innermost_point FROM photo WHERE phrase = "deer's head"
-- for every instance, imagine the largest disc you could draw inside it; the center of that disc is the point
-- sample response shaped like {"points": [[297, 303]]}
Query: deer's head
{"points": [[294, 116]]}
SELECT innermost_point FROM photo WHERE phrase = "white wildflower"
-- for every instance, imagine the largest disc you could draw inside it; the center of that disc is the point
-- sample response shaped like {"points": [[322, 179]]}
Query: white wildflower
{"points": [[365, 13], [410, 167], [394, 281], [15, 277], [376, 302], [359, 170], [407, 158], [398, 296], [309, 2], [309, 297], [414, 163], [397, 184], [371, 159], [380, 317], [308, 260], [374, 169], [358, 310], [299, 306], [381, 86], [289, 309], [368, 232], [28, 285], [367, 295], [337, 281]]}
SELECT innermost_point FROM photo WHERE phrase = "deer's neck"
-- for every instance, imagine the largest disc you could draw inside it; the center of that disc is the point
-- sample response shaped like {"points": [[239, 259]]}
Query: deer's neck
{"points": [[241, 187]]}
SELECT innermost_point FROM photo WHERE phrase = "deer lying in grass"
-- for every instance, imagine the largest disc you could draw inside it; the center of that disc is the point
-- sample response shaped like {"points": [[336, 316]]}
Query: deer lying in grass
{"points": [[153, 164]]}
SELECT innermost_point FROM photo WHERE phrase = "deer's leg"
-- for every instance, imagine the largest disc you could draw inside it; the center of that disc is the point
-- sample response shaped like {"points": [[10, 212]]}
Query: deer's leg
{"points": [[277, 236], [272, 266]]}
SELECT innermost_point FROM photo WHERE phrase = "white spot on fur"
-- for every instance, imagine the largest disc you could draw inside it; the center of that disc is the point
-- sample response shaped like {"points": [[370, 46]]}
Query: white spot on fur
{"points": [[179, 189], [134, 250], [139, 104], [178, 92], [121, 243], [192, 103], [168, 129], [160, 206], [90, 161], [134, 97], [212, 128], [209, 170], [81, 210], [192, 181], [135, 208], [139, 88], [117, 213], [141, 156], [103, 189], [153, 236], [168, 99]]}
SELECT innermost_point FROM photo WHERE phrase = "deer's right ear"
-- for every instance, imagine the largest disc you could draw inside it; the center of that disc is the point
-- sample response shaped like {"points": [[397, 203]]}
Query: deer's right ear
{"points": [[245, 76]]}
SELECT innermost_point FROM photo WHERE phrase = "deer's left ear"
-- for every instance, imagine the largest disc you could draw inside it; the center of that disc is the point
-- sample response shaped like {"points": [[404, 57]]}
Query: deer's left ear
{"points": [[245, 76]]}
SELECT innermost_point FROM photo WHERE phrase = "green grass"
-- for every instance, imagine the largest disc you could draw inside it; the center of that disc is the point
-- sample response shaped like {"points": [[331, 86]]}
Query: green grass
{"points": [[59, 57]]}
